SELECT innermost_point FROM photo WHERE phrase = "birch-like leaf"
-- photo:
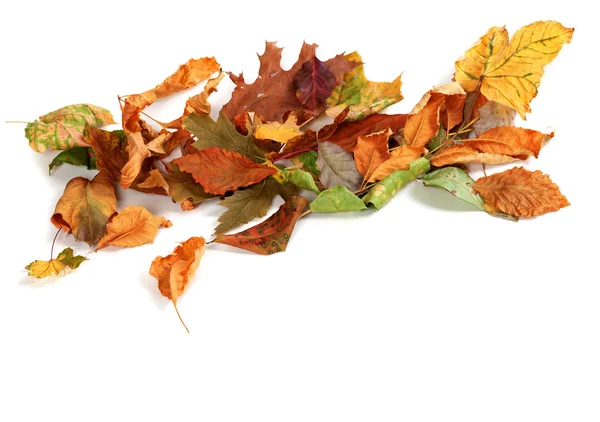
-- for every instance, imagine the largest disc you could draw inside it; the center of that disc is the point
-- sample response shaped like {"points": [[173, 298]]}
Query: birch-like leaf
{"points": [[337, 199], [457, 182]]}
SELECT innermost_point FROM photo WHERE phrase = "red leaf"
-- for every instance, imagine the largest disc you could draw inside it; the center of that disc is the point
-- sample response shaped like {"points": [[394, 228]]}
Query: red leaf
{"points": [[219, 170], [346, 135], [273, 234], [314, 83]]}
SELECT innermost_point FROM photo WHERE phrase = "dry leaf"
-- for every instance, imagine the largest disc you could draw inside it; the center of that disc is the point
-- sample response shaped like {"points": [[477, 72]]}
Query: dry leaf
{"points": [[371, 151], [279, 132], [155, 179], [462, 154], [520, 193], [134, 226], [400, 159], [138, 152], [65, 261], [346, 135]]}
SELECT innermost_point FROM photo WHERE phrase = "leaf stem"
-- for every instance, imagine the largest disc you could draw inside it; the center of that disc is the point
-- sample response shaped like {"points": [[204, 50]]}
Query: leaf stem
{"points": [[180, 319], [308, 211], [16, 121], [53, 242]]}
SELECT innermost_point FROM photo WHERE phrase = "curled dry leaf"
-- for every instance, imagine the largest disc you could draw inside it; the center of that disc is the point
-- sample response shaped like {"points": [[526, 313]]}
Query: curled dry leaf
{"points": [[371, 151], [138, 152], [65, 261], [134, 226], [85, 208], [175, 270], [155, 179], [520, 193]]}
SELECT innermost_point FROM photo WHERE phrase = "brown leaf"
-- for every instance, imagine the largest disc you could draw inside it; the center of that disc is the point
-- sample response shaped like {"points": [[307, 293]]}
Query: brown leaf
{"points": [[273, 234], [110, 149], [466, 154], [138, 152], [509, 140], [272, 94], [400, 159], [155, 179], [371, 151], [134, 226], [346, 135], [219, 170], [85, 207], [520, 193], [175, 270], [314, 83]]}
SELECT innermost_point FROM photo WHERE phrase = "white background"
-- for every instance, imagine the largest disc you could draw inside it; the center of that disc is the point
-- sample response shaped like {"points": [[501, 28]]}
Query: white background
{"points": [[427, 310]]}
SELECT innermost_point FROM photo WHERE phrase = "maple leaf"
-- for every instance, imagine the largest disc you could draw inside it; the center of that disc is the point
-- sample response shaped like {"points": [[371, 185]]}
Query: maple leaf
{"points": [[443, 104], [279, 132], [337, 199], [273, 234], [362, 96], [64, 262], [77, 156], [314, 83], [337, 167], [347, 133], [272, 94], [399, 159], [253, 202], [371, 151], [65, 128], [455, 181], [510, 73], [183, 188], [175, 270], [219, 170], [520, 193], [85, 207], [222, 134], [133, 226]]}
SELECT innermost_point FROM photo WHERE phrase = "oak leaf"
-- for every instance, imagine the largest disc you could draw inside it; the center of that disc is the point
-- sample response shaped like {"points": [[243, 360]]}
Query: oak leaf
{"points": [[133, 226], [272, 94], [219, 170], [273, 234], [520, 193], [65, 261], [175, 270], [347, 133], [337, 167], [361, 95], [510, 73], [371, 151], [399, 159], [85, 207]]}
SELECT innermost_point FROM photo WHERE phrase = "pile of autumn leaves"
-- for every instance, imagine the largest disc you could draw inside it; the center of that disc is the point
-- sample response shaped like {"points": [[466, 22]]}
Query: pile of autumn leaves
{"points": [[257, 149]]}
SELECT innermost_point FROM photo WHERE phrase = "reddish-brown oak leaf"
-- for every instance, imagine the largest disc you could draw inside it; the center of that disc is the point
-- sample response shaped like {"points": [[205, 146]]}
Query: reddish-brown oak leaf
{"points": [[219, 170], [272, 94], [273, 234], [347, 133], [85, 207], [520, 193]]}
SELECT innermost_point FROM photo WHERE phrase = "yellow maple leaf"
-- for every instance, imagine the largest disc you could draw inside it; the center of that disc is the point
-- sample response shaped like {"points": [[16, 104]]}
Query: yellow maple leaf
{"points": [[510, 73], [280, 132]]}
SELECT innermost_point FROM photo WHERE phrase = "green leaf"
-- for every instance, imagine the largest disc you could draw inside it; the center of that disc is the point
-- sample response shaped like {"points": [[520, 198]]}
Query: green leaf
{"points": [[385, 190], [66, 127], [363, 96], [457, 182], [64, 262], [337, 199], [337, 167], [437, 140], [303, 180], [78, 156], [309, 162], [222, 134]]}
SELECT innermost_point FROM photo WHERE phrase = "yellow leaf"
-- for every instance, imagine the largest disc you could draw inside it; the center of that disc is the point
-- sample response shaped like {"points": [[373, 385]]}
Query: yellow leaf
{"points": [[134, 226], [64, 261], [510, 73], [280, 132]]}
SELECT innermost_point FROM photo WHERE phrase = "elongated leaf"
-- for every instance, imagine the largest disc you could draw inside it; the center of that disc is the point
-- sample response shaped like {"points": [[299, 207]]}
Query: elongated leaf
{"points": [[78, 156], [337, 167], [383, 191], [273, 234], [347, 133], [457, 182], [337, 199]]}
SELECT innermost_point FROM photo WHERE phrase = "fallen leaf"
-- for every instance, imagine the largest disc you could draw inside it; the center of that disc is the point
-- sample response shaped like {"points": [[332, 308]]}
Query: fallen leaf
{"points": [[279, 132], [383, 191], [303, 180], [491, 115], [361, 95], [308, 160], [183, 188], [133, 226], [509, 140], [110, 149], [155, 179], [272, 94], [455, 181], [138, 152], [371, 151], [337, 199], [65, 261], [337, 167], [219, 170], [462, 154], [314, 83], [520, 193], [85, 207], [346, 135], [175, 270], [65, 128], [273, 234], [510, 74], [77, 156], [399, 159]]}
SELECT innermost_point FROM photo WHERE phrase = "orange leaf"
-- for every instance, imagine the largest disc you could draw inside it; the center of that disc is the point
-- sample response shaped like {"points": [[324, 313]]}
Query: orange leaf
{"points": [[85, 207], [509, 140], [346, 135], [443, 104], [520, 192], [219, 170], [155, 179], [174, 271], [465, 154], [134, 226], [400, 159], [138, 152], [371, 151]]}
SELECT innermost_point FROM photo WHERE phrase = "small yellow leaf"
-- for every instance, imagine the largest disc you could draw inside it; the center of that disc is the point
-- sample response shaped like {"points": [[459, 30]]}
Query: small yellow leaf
{"points": [[64, 262], [280, 132]]}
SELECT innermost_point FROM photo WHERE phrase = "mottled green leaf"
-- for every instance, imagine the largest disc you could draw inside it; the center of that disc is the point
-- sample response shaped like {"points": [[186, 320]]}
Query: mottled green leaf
{"points": [[457, 182], [337, 199], [363, 96], [303, 180], [78, 156], [337, 167], [66, 127], [385, 190], [64, 262], [222, 134], [309, 162]]}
